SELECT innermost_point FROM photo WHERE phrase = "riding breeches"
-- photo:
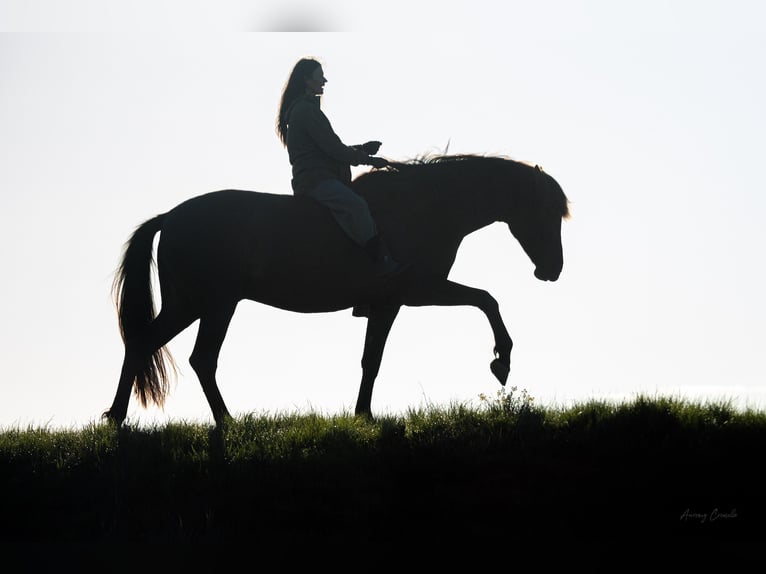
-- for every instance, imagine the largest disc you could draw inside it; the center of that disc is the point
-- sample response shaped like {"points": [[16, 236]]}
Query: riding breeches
{"points": [[349, 209]]}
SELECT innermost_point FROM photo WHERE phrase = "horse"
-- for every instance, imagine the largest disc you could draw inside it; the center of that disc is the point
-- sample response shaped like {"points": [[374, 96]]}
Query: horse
{"points": [[221, 247]]}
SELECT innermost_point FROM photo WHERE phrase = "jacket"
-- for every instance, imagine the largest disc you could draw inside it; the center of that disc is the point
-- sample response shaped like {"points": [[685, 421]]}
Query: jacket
{"points": [[316, 152]]}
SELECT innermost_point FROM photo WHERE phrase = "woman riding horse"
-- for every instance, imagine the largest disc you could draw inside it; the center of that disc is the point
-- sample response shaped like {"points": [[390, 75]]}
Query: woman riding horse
{"points": [[321, 161]]}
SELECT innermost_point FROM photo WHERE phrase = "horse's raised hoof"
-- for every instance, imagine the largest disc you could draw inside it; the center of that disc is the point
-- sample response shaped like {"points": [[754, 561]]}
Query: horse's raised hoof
{"points": [[500, 370]]}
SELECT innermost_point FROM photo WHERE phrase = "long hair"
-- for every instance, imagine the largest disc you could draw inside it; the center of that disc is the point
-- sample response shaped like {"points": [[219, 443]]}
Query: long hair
{"points": [[294, 87]]}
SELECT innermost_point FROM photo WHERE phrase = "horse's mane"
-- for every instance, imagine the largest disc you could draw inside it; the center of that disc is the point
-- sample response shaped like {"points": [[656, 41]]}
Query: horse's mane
{"points": [[443, 159], [432, 163]]}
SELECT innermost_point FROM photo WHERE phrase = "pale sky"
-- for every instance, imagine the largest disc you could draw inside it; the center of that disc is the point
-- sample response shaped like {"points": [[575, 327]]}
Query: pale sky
{"points": [[650, 115]]}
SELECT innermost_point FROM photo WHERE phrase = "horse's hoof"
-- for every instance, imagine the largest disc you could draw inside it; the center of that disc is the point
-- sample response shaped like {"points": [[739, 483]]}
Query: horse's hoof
{"points": [[500, 370], [109, 418], [364, 415]]}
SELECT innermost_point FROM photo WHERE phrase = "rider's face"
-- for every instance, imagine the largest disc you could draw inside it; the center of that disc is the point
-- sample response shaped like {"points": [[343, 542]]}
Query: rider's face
{"points": [[315, 83]]}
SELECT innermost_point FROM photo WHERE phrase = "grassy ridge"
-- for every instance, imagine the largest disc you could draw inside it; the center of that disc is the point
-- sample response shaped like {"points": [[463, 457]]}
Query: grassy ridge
{"points": [[668, 467]]}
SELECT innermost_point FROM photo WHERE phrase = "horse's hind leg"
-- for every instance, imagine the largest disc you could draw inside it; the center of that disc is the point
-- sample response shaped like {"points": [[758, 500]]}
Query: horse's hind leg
{"points": [[164, 327], [204, 358]]}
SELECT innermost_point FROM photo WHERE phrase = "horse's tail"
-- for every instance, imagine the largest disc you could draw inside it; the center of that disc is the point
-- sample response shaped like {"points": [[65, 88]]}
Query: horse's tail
{"points": [[132, 290]]}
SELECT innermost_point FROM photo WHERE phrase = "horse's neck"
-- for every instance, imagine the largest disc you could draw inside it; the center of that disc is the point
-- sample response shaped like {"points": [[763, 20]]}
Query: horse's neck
{"points": [[470, 206], [456, 204], [492, 199]]}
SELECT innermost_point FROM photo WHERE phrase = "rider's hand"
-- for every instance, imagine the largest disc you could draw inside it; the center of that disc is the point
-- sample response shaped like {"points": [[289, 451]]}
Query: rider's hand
{"points": [[378, 162], [371, 148]]}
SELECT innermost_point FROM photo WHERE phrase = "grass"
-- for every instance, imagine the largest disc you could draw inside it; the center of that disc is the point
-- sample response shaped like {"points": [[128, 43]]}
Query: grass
{"points": [[486, 472]]}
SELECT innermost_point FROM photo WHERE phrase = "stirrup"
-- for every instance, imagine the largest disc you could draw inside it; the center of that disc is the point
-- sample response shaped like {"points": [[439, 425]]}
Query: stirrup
{"points": [[362, 310]]}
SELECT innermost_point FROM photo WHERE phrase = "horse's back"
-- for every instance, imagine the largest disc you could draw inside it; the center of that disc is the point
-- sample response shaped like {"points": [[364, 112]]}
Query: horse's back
{"points": [[232, 213], [206, 238], [273, 248], [223, 207]]}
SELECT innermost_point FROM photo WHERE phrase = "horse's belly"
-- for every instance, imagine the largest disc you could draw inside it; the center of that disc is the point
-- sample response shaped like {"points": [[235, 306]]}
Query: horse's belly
{"points": [[304, 291]]}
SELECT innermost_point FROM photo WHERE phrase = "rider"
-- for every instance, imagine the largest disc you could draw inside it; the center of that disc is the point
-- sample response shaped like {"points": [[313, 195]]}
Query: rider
{"points": [[321, 162]]}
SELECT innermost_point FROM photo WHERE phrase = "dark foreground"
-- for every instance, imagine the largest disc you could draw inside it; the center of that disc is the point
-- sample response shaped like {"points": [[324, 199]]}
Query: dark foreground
{"points": [[445, 481]]}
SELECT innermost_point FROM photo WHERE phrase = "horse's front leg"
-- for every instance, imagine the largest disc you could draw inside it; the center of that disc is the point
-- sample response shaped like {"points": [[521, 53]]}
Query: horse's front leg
{"points": [[447, 293], [378, 327]]}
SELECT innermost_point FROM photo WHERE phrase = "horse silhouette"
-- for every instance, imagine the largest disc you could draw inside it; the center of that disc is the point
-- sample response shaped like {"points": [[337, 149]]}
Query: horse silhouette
{"points": [[221, 247]]}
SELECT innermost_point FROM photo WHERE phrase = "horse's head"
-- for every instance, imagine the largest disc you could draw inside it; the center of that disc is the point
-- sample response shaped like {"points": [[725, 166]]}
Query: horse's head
{"points": [[535, 221]]}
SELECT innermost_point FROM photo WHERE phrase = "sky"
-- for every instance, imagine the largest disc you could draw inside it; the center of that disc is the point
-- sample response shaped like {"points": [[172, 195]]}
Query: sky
{"points": [[649, 115]]}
